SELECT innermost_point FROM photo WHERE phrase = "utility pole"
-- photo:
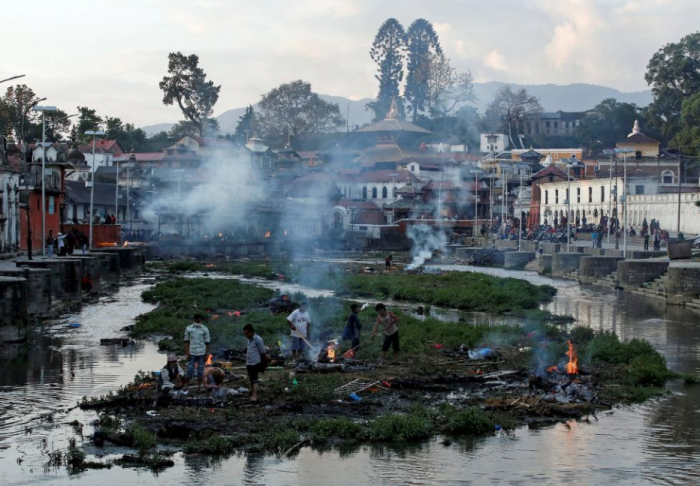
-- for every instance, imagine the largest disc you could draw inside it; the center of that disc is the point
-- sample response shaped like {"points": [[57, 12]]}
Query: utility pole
{"points": [[568, 208], [520, 215], [617, 234], [94, 134], [624, 204], [680, 170], [43, 110]]}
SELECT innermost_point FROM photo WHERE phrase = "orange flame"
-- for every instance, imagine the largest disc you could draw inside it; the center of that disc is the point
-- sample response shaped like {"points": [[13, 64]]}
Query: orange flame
{"points": [[268, 234], [552, 369], [572, 365], [209, 360], [126, 243]]}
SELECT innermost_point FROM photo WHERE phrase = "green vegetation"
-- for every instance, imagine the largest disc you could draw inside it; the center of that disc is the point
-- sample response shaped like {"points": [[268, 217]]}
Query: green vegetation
{"points": [[470, 421], [251, 268], [142, 438]]}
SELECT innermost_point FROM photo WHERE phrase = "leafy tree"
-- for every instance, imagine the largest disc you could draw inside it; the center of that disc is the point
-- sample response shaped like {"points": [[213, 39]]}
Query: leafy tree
{"points": [[447, 88], [674, 75], [247, 124], [17, 108], [422, 43], [462, 124], [508, 110], [388, 52], [57, 124], [687, 139], [128, 136], [187, 86], [608, 123], [293, 111], [88, 119], [188, 128]]}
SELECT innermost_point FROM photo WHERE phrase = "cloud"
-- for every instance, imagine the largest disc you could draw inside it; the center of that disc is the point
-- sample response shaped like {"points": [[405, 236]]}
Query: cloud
{"points": [[495, 60]]}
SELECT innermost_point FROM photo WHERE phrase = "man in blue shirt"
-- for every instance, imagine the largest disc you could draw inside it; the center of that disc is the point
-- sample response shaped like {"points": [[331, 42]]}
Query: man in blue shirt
{"points": [[197, 341]]}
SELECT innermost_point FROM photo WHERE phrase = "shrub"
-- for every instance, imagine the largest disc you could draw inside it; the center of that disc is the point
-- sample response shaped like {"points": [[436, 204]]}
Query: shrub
{"points": [[341, 428], [398, 428], [470, 421]]}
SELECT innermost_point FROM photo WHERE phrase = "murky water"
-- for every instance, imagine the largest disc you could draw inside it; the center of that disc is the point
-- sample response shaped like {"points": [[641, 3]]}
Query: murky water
{"points": [[658, 443]]}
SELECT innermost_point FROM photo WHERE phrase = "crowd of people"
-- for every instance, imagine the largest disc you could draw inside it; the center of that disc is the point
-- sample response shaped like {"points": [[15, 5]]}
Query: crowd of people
{"points": [[197, 339], [64, 244], [137, 235]]}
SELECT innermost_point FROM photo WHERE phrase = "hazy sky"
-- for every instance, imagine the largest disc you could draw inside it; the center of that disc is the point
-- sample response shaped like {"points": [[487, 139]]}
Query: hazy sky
{"points": [[110, 55]]}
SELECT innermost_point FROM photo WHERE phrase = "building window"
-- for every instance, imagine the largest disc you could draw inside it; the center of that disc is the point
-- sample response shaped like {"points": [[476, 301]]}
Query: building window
{"points": [[546, 197], [556, 196], [374, 193], [667, 177], [568, 200], [614, 193], [638, 155], [578, 194], [590, 194], [602, 193], [639, 189], [413, 168], [364, 192], [385, 193]]}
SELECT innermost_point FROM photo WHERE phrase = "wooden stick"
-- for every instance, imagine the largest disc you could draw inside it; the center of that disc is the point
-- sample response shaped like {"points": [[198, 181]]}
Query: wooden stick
{"points": [[364, 342], [303, 338]]}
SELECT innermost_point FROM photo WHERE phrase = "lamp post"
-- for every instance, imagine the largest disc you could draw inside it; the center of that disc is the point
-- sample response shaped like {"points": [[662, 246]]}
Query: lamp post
{"points": [[624, 152], [610, 153], [13, 77], [43, 110], [571, 163], [94, 134]]}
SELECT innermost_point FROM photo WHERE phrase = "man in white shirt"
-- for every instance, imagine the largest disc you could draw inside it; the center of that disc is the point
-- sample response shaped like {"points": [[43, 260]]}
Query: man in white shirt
{"points": [[299, 322]]}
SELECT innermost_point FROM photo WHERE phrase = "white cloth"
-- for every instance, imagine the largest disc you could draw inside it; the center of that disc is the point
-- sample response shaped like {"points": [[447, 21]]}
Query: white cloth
{"points": [[60, 239], [301, 321]]}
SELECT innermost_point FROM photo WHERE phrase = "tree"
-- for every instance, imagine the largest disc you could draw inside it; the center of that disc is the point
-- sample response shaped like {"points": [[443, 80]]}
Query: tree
{"points": [[388, 52], [128, 136], [508, 110], [609, 122], [687, 139], [674, 75], [293, 111], [247, 124], [187, 86], [422, 43], [187, 128], [88, 120], [17, 103], [447, 88]]}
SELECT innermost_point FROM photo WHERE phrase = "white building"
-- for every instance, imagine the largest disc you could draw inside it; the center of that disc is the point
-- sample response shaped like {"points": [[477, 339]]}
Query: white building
{"points": [[9, 202], [379, 187], [493, 142]]}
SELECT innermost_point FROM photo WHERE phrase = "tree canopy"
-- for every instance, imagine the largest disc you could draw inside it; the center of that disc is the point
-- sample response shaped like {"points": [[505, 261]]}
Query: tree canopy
{"points": [[187, 86], [687, 139], [448, 89], [509, 109], [674, 75], [128, 136], [388, 52], [247, 125], [293, 111], [608, 123], [422, 43]]}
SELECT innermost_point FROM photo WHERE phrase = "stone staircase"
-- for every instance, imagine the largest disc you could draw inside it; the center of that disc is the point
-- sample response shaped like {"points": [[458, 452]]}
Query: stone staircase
{"points": [[573, 275], [694, 304], [656, 288], [609, 281]]}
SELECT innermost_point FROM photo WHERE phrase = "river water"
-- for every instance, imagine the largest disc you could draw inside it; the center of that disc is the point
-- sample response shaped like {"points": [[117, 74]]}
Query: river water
{"points": [[657, 443]]}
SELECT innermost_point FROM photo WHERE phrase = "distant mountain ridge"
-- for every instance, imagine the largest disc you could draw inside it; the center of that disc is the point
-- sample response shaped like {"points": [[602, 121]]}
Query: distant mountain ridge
{"points": [[570, 97]]}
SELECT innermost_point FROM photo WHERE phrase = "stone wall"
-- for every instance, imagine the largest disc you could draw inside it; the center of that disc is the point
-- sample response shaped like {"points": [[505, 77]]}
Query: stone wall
{"points": [[683, 283], [527, 245], [564, 263], [545, 264], [550, 248], [506, 244], [631, 274], [517, 259], [13, 309], [38, 287], [594, 267]]}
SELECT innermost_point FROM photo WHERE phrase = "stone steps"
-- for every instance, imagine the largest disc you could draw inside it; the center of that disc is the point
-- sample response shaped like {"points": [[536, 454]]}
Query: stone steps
{"points": [[694, 304], [656, 288], [573, 275], [609, 281]]}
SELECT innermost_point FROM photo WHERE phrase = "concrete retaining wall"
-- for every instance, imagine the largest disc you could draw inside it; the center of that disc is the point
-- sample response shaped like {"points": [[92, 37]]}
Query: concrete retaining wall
{"points": [[66, 276], [683, 283], [498, 256], [545, 264], [639, 255], [564, 263], [594, 267], [506, 244], [527, 245], [517, 259], [13, 309], [38, 287], [631, 274], [550, 248]]}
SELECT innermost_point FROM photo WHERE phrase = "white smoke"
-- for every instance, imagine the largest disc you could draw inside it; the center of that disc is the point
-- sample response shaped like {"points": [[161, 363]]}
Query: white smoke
{"points": [[426, 240]]}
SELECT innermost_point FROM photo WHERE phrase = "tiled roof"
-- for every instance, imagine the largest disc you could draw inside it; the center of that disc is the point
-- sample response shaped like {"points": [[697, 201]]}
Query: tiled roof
{"points": [[397, 176], [349, 203], [552, 170], [409, 204], [111, 146], [638, 138], [393, 125], [141, 157], [383, 152], [78, 193]]}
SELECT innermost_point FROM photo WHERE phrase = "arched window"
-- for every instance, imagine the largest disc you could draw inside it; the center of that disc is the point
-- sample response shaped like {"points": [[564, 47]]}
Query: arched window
{"points": [[385, 193], [364, 192], [667, 177], [374, 193]]}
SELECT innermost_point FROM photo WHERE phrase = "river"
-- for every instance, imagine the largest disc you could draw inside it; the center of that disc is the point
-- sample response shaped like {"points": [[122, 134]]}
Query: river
{"points": [[657, 443]]}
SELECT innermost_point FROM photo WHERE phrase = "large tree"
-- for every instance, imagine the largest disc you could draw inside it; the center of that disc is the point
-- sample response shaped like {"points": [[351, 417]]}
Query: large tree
{"points": [[128, 136], [247, 124], [448, 89], [88, 119], [187, 86], [687, 138], [293, 111], [422, 43], [509, 109], [608, 123], [17, 104], [187, 128], [674, 75], [388, 52]]}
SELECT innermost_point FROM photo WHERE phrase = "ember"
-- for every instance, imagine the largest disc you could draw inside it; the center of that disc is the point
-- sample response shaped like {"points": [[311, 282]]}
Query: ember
{"points": [[267, 234], [209, 360], [126, 243], [572, 365], [552, 369]]}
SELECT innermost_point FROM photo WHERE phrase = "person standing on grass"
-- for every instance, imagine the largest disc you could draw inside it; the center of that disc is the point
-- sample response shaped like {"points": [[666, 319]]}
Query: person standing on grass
{"points": [[299, 322], [256, 357], [197, 342], [354, 326], [386, 321], [388, 261]]}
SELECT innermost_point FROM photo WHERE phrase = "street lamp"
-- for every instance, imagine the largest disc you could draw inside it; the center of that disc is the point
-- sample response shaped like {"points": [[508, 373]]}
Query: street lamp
{"points": [[624, 152], [95, 134], [477, 172], [24, 115], [43, 110], [13, 77], [611, 153], [572, 163]]}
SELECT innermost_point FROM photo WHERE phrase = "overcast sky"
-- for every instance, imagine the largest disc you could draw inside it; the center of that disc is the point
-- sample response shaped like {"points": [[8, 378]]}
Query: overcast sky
{"points": [[110, 55]]}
